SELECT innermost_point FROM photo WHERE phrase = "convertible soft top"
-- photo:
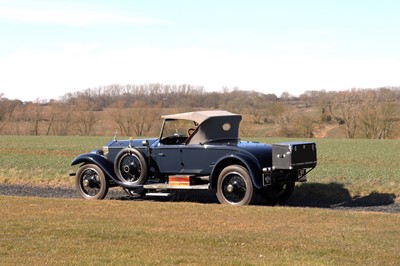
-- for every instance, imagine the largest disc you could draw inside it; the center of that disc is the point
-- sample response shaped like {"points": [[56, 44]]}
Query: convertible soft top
{"points": [[200, 116], [212, 125]]}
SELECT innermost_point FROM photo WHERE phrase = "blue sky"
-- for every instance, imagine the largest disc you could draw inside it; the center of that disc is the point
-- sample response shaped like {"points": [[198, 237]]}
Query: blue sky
{"points": [[49, 48]]}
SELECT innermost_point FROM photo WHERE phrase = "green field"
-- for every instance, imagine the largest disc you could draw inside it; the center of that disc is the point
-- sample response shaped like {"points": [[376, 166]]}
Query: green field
{"points": [[361, 167], [40, 231]]}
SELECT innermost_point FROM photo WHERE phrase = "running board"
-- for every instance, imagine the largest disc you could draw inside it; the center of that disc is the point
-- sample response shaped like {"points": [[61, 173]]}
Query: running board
{"points": [[158, 194], [168, 186]]}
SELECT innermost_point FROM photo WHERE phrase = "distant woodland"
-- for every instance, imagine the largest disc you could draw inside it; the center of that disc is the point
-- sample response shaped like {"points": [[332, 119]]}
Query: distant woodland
{"points": [[135, 110]]}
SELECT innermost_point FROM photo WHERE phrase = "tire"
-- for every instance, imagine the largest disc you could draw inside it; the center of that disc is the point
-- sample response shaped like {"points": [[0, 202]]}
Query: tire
{"points": [[130, 167], [91, 182], [234, 186], [277, 194]]}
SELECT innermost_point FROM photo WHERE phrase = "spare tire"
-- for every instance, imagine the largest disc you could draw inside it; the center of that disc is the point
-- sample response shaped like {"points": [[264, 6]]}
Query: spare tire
{"points": [[131, 167]]}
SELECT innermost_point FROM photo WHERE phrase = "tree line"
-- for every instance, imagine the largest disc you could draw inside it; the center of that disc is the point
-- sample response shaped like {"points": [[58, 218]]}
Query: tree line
{"points": [[135, 110]]}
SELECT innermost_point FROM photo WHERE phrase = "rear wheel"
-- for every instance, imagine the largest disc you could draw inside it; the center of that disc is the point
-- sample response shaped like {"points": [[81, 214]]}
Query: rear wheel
{"points": [[277, 194], [234, 186], [91, 182]]}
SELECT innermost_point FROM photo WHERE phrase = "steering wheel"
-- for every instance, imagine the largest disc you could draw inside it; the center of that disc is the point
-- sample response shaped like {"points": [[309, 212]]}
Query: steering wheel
{"points": [[190, 131]]}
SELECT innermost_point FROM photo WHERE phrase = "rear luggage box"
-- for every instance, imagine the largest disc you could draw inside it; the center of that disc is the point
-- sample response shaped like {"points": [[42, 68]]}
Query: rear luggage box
{"points": [[294, 155]]}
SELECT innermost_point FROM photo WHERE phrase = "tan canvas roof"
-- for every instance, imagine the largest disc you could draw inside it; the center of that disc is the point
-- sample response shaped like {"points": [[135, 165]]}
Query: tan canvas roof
{"points": [[200, 116]]}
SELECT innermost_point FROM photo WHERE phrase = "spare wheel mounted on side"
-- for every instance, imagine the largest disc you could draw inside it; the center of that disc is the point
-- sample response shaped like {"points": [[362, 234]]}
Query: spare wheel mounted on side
{"points": [[130, 167]]}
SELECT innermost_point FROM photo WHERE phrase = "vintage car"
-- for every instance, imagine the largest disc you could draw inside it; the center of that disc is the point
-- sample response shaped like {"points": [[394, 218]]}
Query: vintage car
{"points": [[197, 150]]}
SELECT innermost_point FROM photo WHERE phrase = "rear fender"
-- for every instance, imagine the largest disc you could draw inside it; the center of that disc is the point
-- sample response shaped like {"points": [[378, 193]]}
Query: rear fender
{"points": [[241, 159], [105, 165]]}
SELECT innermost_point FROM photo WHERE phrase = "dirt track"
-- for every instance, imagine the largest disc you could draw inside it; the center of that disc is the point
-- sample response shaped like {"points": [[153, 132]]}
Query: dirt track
{"points": [[373, 202]]}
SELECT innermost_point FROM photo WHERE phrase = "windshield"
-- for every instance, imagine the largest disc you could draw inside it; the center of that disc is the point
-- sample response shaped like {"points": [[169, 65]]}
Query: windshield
{"points": [[177, 129]]}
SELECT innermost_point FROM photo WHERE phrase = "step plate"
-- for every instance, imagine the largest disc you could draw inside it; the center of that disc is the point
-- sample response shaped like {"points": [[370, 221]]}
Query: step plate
{"points": [[158, 194], [168, 186]]}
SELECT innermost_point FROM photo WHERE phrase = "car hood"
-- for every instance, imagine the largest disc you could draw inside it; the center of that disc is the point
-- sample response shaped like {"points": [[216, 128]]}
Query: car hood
{"points": [[125, 143]]}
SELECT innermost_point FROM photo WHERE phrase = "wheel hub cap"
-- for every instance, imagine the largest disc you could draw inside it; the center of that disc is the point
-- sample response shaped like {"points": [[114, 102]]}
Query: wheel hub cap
{"points": [[126, 168], [230, 188], [85, 183]]}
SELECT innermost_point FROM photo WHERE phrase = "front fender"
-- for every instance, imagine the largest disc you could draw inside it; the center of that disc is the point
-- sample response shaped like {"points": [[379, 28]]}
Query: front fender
{"points": [[98, 160], [250, 163], [105, 165]]}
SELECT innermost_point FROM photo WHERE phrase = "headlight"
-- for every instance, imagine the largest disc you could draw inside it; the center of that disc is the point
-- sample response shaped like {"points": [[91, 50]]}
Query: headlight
{"points": [[105, 151], [97, 152]]}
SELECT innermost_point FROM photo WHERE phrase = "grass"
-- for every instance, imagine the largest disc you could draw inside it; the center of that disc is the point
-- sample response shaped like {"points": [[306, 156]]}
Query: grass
{"points": [[36, 231], [42, 160], [360, 166]]}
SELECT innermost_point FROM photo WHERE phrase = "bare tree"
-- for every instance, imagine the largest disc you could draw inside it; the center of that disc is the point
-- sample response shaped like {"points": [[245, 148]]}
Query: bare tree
{"points": [[285, 96], [260, 113], [388, 112], [60, 119], [121, 116], [7, 111], [377, 114], [345, 110], [85, 122], [246, 126], [85, 117], [34, 115], [297, 124], [51, 115], [369, 114], [144, 120], [136, 120], [324, 102], [65, 123]]}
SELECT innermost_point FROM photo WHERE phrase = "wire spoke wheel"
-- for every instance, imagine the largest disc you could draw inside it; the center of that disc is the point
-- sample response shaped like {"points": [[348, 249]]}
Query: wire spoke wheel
{"points": [[130, 167], [235, 186], [91, 182]]}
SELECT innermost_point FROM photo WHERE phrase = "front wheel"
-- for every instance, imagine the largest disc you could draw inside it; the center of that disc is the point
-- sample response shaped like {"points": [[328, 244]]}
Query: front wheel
{"points": [[234, 186], [91, 182]]}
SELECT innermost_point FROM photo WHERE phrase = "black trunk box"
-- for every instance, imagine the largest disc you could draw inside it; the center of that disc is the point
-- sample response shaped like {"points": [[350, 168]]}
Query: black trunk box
{"points": [[294, 155]]}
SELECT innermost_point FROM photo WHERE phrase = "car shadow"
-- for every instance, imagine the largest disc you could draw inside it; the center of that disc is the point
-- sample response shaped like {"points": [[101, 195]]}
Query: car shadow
{"points": [[195, 196], [315, 195], [335, 195], [371, 200], [319, 195]]}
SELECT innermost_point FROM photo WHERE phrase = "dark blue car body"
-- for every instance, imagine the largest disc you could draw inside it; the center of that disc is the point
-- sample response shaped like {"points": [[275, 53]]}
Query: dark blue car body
{"points": [[197, 150]]}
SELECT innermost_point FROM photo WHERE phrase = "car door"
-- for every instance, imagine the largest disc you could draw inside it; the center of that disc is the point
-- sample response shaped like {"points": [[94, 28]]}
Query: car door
{"points": [[187, 159], [200, 159], [168, 158]]}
